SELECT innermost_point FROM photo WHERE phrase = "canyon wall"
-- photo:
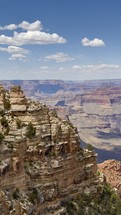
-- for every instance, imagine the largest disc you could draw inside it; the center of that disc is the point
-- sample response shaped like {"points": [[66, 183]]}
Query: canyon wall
{"points": [[41, 161]]}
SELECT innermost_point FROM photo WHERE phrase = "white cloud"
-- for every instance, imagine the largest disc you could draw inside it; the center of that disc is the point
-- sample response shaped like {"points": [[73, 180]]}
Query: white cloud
{"points": [[97, 68], [59, 57], [77, 67], [86, 72], [35, 26], [83, 72], [44, 67], [90, 69], [94, 43], [9, 27], [33, 35], [14, 49], [17, 56], [17, 52]]}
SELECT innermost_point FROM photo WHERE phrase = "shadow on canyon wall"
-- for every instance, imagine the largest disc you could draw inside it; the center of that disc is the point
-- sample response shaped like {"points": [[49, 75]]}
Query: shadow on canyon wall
{"points": [[111, 135], [105, 154]]}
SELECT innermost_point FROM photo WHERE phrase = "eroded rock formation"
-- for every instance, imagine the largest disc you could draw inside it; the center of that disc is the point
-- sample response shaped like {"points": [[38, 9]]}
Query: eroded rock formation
{"points": [[41, 162]]}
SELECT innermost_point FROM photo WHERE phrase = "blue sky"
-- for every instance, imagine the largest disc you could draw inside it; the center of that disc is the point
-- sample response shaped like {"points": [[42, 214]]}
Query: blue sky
{"points": [[60, 39]]}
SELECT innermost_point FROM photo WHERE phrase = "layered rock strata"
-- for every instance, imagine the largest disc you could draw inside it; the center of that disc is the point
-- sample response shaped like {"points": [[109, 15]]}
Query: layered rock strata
{"points": [[41, 162], [112, 171]]}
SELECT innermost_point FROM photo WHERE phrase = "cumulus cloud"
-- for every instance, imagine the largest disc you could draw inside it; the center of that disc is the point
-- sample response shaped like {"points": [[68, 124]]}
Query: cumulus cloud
{"points": [[59, 57], [33, 35], [35, 26], [93, 43], [14, 49], [9, 27], [17, 52]]}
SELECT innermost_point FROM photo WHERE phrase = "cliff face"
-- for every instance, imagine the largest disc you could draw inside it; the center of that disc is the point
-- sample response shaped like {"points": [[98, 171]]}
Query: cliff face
{"points": [[41, 162], [112, 171]]}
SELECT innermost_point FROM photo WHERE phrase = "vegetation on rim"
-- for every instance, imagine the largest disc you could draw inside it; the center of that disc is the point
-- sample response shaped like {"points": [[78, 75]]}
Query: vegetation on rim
{"points": [[31, 131], [107, 202]]}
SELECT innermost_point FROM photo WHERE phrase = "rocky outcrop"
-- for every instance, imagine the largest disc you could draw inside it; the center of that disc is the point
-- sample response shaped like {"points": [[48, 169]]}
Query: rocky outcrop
{"points": [[112, 171], [17, 99], [1, 97], [41, 161]]}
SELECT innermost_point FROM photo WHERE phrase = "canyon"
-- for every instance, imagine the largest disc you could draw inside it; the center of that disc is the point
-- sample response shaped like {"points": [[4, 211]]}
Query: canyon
{"points": [[94, 107], [44, 167]]}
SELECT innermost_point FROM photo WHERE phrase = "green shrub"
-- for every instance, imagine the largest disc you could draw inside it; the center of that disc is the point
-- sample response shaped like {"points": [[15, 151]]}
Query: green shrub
{"points": [[31, 131], [7, 131], [70, 207], [33, 196], [105, 202], [4, 122], [1, 137], [18, 123], [90, 147], [6, 103], [15, 194], [2, 112], [16, 88], [10, 146]]}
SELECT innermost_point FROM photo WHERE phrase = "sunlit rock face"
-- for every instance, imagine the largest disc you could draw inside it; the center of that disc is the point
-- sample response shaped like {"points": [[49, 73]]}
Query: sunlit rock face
{"points": [[41, 162], [112, 171]]}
